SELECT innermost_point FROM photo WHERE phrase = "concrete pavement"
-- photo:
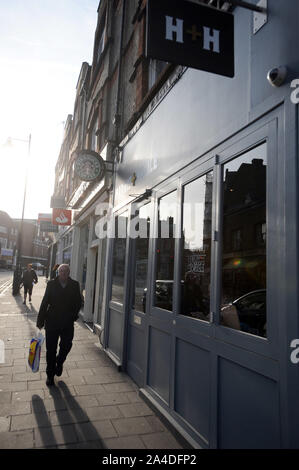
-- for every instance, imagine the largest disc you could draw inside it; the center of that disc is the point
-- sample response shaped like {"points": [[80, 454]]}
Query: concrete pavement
{"points": [[92, 406]]}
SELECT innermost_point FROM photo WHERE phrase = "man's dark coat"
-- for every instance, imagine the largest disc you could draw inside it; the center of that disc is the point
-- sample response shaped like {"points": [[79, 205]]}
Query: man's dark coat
{"points": [[29, 277], [60, 306]]}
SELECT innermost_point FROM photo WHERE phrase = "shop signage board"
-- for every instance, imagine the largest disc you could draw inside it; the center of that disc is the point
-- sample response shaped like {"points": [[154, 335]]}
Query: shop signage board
{"points": [[44, 218], [48, 226], [61, 217], [191, 34], [89, 165], [6, 252]]}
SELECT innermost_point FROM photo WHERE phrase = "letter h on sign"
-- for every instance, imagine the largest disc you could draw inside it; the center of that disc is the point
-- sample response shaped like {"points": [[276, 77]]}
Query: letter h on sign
{"points": [[174, 28]]}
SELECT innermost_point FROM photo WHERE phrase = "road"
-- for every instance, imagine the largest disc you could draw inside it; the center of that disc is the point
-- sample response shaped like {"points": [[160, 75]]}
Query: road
{"points": [[5, 280]]}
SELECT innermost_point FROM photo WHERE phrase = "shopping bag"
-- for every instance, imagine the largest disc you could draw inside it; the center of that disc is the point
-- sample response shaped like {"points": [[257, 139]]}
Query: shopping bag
{"points": [[34, 351]]}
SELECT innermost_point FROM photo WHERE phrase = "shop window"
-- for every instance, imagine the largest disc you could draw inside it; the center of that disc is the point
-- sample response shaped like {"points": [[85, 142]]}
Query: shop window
{"points": [[165, 247], [141, 259], [196, 248], [119, 258], [243, 303]]}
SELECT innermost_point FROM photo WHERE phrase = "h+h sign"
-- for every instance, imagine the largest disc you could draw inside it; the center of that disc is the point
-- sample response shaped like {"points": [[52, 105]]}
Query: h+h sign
{"points": [[186, 33]]}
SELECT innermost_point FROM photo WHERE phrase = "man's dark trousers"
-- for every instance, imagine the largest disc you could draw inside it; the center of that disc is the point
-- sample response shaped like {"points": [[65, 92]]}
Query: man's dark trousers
{"points": [[52, 336]]}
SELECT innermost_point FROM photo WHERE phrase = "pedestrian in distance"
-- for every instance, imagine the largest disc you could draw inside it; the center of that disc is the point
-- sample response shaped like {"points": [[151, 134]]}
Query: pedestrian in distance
{"points": [[58, 311], [28, 279], [54, 271]]}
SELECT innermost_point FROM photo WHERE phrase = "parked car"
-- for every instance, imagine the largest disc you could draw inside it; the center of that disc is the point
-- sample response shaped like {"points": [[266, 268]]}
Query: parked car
{"points": [[247, 313], [163, 295]]}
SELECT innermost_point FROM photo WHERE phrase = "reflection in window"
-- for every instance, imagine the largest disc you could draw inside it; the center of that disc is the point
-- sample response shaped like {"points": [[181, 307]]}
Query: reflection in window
{"points": [[119, 258], [141, 259], [196, 243], [244, 258], [167, 220]]}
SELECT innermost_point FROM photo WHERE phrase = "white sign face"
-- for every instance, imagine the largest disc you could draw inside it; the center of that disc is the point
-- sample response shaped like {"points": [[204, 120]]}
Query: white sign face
{"points": [[2, 352], [44, 217]]}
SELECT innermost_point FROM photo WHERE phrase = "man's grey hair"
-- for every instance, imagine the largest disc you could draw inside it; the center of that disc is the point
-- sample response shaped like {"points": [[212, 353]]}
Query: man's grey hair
{"points": [[64, 266]]}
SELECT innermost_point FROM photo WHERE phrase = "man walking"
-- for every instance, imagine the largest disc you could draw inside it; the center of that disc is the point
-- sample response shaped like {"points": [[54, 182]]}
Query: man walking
{"points": [[29, 277], [58, 311]]}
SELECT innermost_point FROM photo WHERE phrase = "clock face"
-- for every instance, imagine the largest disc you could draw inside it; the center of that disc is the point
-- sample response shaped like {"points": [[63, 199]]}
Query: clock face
{"points": [[89, 165]]}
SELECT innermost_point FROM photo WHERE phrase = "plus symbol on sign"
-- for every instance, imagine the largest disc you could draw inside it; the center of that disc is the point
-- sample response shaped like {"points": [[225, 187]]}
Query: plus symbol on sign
{"points": [[194, 32]]}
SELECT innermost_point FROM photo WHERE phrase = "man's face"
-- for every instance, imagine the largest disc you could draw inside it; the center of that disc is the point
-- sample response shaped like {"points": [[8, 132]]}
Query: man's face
{"points": [[63, 273]]}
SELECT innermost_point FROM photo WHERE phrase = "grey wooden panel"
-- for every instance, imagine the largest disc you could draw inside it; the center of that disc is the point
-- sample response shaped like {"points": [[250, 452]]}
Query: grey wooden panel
{"points": [[192, 386], [136, 354], [159, 362], [114, 337], [248, 409]]}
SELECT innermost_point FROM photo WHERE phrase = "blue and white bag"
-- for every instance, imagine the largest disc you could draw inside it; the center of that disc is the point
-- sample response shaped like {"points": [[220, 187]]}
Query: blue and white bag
{"points": [[34, 351]]}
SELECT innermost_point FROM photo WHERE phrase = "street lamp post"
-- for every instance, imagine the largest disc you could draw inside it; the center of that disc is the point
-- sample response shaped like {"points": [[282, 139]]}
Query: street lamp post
{"points": [[18, 271]]}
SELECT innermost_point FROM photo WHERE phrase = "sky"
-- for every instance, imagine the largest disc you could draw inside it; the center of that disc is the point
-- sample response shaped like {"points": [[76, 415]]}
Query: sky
{"points": [[42, 46]]}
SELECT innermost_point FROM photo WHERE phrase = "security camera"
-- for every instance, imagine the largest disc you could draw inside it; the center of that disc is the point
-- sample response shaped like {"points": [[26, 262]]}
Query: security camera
{"points": [[277, 75]]}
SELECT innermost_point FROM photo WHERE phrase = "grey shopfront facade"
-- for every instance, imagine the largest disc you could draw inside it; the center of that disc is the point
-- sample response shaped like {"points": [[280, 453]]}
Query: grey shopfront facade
{"points": [[222, 152]]}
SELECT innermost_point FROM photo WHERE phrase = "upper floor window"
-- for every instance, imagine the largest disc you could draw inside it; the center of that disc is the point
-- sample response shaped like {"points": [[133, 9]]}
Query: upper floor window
{"points": [[94, 138], [3, 242], [100, 40], [100, 47], [155, 69], [236, 239]]}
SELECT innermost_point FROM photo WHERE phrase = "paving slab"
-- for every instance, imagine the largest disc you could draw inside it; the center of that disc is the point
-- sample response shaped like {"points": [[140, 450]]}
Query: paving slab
{"points": [[17, 440], [130, 442], [92, 406], [163, 440]]}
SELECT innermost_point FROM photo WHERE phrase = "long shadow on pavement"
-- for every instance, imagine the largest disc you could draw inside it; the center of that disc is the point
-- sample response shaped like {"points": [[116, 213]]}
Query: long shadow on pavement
{"points": [[44, 424], [74, 414]]}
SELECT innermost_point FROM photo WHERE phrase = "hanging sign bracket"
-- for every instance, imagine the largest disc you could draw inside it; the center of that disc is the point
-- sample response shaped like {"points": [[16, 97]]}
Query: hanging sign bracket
{"points": [[240, 3], [260, 12]]}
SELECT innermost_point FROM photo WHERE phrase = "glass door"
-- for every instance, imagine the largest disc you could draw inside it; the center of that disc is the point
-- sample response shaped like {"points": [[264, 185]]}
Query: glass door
{"points": [[139, 236]]}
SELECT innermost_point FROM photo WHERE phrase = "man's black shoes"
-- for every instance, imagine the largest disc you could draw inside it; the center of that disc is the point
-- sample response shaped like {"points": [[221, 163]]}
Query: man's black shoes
{"points": [[58, 370], [50, 382]]}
